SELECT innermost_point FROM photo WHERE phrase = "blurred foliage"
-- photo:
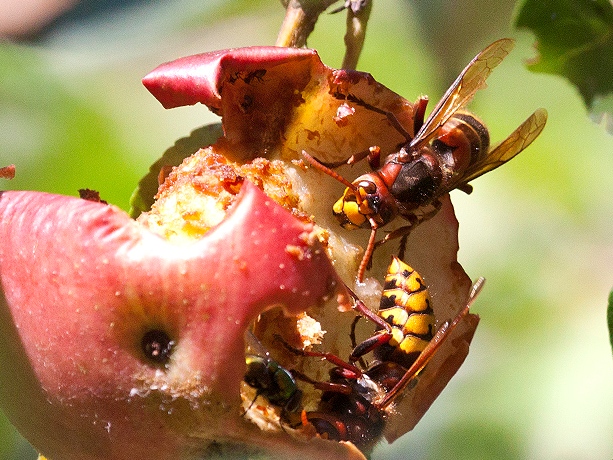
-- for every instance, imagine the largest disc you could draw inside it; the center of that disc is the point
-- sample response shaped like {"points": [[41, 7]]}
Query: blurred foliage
{"points": [[610, 317], [575, 40], [40, 114], [539, 380]]}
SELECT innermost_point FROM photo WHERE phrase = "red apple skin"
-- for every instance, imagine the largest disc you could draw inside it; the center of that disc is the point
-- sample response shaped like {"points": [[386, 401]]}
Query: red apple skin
{"points": [[198, 78], [81, 283]]}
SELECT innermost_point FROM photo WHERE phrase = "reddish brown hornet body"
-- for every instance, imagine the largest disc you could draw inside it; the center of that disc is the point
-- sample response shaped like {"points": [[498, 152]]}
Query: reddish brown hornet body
{"points": [[449, 149]]}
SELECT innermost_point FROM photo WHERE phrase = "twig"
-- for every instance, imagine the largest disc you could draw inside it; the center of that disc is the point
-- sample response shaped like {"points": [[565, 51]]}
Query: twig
{"points": [[300, 19], [301, 16]]}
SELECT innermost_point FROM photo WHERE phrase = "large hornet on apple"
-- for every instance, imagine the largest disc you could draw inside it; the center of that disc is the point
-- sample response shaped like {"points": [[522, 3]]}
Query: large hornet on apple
{"points": [[355, 401], [450, 149]]}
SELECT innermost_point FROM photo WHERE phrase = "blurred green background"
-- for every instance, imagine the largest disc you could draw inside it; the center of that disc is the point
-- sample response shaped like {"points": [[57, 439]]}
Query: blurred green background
{"points": [[538, 383]]}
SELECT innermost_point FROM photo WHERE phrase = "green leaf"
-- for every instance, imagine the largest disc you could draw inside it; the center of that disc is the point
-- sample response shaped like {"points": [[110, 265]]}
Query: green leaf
{"points": [[143, 196], [610, 317], [575, 40]]}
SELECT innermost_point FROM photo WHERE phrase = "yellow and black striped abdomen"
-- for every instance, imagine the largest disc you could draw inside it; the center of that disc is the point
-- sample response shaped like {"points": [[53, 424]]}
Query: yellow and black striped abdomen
{"points": [[405, 305]]}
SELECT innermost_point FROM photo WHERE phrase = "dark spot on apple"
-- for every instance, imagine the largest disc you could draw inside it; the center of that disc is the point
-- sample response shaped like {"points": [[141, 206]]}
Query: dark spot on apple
{"points": [[157, 346]]}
